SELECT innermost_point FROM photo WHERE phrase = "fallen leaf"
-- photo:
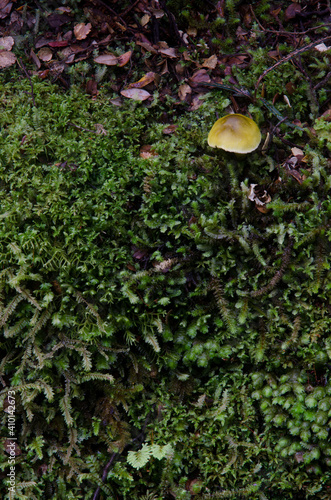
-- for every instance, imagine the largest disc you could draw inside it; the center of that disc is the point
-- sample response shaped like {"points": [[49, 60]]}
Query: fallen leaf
{"points": [[136, 94], [123, 59], [107, 59], [197, 101], [35, 59], [199, 76], [171, 52], [147, 46], [11, 448], [100, 129], [170, 129], [321, 47], [183, 91], [7, 58], [57, 43], [210, 63], [292, 10], [145, 80], [6, 42], [92, 87], [81, 30], [297, 152], [45, 54], [147, 152], [5, 7], [297, 176], [145, 20]]}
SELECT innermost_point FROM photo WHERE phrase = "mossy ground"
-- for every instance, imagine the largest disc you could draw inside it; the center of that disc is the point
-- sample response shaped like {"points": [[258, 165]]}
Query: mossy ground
{"points": [[147, 305]]}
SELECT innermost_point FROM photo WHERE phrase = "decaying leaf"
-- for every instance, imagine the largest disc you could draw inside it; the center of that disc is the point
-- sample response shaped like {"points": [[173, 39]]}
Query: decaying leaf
{"points": [[145, 80], [45, 54], [211, 62], [145, 20], [81, 30], [6, 42], [260, 197], [7, 58], [107, 59], [123, 59], [147, 152], [170, 129], [199, 76], [183, 91], [136, 94], [170, 52]]}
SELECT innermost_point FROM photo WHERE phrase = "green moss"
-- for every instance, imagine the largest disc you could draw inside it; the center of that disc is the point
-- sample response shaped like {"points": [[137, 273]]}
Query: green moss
{"points": [[146, 302]]}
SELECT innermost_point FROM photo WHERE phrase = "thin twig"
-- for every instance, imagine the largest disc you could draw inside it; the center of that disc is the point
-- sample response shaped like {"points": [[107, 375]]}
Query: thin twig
{"points": [[21, 65], [104, 475], [290, 56], [323, 82]]}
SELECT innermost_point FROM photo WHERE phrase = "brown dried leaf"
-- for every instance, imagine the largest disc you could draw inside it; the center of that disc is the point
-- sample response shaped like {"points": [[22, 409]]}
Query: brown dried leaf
{"points": [[147, 46], [107, 59], [145, 20], [292, 10], [12, 448], [35, 59], [297, 152], [170, 52], [136, 94], [183, 91], [6, 42], [145, 80], [81, 30], [297, 176], [170, 129], [92, 87], [5, 7], [7, 58], [147, 152], [45, 54], [196, 102], [210, 63], [123, 59], [199, 76]]}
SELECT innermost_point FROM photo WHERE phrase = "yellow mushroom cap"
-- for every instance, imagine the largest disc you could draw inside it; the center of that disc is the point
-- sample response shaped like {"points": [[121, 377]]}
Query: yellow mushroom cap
{"points": [[236, 133]]}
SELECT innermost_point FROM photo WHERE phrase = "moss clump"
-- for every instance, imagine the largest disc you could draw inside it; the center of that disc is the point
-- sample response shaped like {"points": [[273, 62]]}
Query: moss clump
{"points": [[149, 307]]}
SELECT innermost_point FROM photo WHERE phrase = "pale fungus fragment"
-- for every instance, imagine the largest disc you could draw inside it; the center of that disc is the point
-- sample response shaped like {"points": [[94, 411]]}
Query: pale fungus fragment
{"points": [[235, 133]]}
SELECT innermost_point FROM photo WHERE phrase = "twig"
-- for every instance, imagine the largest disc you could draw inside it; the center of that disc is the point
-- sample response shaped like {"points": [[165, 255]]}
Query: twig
{"points": [[323, 82], [104, 475], [81, 128], [21, 65], [289, 57]]}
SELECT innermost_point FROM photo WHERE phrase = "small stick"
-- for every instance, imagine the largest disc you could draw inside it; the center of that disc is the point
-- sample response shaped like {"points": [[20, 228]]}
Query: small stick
{"points": [[290, 56], [21, 65]]}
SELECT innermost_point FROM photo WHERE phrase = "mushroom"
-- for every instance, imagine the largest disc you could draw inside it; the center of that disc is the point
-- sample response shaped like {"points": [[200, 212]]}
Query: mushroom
{"points": [[236, 133]]}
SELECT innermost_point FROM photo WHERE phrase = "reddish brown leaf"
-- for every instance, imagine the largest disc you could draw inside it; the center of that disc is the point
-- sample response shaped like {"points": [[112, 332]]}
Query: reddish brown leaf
{"points": [[183, 91], [123, 59], [199, 76], [107, 59], [57, 43], [147, 152], [7, 58], [145, 80], [92, 87], [292, 10], [35, 59], [136, 94], [170, 52], [6, 42], [45, 54], [81, 30], [210, 63], [170, 129]]}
